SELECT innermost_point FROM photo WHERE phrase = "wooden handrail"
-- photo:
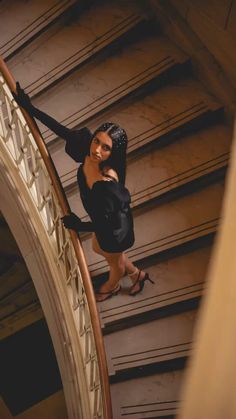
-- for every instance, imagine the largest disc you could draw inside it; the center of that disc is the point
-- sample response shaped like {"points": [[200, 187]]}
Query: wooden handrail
{"points": [[95, 320]]}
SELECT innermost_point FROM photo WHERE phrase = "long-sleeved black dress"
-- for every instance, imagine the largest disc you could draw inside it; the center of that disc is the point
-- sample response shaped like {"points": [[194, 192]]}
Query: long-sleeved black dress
{"points": [[107, 202]]}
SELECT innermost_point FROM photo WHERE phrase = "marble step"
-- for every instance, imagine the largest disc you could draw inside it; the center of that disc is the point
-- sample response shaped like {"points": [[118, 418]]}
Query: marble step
{"points": [[153, 116], [101, 83], [167, 168], [68, 44], [21, 21], [152, 119], [20, 306], [15, 277], [155, 396], [166, 226], [21, 318], [178, 280], [18, 299], [151, 346]]}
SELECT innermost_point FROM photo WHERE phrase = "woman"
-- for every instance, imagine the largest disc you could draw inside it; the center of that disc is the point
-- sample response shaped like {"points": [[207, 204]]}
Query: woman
{"points": [[101, 178]]}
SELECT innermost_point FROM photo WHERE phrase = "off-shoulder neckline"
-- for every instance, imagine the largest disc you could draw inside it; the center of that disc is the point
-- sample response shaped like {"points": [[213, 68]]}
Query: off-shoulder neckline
{"points": [[114, 181]]}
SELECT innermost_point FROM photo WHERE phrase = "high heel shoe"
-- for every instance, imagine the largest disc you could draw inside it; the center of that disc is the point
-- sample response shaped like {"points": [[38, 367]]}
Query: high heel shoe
{"points": [[107, 294], [141, 283]]}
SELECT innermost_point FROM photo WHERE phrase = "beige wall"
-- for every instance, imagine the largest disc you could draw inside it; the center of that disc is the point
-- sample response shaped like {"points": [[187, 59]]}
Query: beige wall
{"points": [[214, 22]]}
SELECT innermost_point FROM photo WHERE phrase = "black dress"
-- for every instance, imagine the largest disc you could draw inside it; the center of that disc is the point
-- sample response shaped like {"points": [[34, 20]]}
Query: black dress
{"points": [[107, 202]]}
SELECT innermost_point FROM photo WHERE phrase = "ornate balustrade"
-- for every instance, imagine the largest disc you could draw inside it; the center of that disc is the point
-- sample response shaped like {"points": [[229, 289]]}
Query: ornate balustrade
{"points": [[23, 148]]}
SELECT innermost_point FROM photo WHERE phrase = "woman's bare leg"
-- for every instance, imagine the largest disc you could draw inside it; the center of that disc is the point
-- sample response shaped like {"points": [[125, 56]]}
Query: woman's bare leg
{"points": [[129, 266], [133, 272], [116, 264]]}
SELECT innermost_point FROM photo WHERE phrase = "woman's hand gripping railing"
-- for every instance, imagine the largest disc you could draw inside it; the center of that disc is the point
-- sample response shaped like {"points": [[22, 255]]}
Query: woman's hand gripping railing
{"points": [[24, 144]]}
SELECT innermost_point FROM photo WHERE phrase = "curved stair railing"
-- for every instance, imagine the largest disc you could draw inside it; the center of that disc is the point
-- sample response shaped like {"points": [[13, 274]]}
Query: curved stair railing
{"points": [[20, 139]]}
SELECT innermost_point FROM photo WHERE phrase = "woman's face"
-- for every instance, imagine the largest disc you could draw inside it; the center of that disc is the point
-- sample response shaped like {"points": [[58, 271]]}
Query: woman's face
{"points": [[101, 146]]}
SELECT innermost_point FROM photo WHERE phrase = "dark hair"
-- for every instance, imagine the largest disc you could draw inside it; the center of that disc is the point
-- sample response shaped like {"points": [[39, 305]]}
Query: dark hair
{"points": [[117, 159]]}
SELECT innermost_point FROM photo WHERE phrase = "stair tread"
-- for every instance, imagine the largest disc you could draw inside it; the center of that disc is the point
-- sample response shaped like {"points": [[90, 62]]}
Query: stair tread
{"points": [[166, 169], [100, 84], [20, 319], [18, 299], [67, 44], [150, 343], [168, 225], [16, 276], [147, 119], [176, 280], [160, 110], [19, 22], [147, 397]]}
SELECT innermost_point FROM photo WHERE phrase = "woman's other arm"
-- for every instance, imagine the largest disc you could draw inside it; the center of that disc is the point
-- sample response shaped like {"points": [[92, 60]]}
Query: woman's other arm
{"points": [[73, 222]]}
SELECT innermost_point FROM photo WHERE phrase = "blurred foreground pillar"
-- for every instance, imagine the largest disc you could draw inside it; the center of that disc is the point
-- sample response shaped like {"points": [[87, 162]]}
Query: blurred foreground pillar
{"points": [[210, 386]]}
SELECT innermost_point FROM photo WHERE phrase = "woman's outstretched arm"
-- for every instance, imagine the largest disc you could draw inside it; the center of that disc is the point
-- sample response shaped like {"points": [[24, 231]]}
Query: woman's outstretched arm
{"points": [[77, 141], [24, 101], [59, 129]]}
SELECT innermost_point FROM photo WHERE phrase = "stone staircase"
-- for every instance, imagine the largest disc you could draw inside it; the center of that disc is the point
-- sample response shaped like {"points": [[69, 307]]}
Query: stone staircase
{"points": [[108, 61]]}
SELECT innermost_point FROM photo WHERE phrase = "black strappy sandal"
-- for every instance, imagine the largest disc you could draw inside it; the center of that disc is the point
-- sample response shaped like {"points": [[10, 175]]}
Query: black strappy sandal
{"points": [[141, 282], [108, 294]]}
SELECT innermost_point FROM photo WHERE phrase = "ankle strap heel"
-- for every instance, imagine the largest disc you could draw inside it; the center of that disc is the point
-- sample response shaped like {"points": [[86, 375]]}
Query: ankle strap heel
{"points": [[133, 273], [147, 278], [140, 282]]}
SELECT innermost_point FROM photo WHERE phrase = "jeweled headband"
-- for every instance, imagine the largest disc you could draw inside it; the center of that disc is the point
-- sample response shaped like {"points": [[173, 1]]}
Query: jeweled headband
{"points": [[117, 134]]}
